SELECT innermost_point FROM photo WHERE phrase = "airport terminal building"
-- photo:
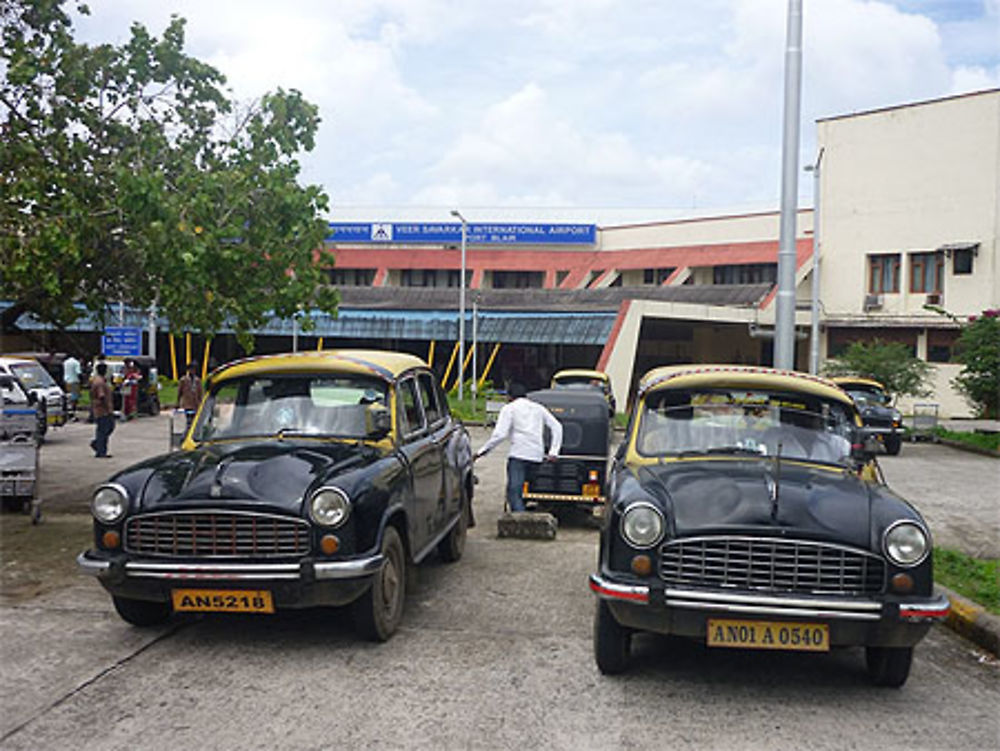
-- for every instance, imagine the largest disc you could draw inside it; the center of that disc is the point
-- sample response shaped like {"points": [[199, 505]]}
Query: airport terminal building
{"points": [[909, 216]]}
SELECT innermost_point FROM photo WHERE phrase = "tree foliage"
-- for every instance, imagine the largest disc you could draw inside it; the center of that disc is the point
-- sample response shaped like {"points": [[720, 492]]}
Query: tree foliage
{"points": [[979, 351], [889, 363], [127, 174]]}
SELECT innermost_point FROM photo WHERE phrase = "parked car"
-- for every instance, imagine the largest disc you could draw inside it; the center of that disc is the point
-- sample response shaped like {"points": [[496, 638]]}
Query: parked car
{"points": [[578, 476], [50, 399], [586, 379], [741, 514], [880, 417], [305, 479]]}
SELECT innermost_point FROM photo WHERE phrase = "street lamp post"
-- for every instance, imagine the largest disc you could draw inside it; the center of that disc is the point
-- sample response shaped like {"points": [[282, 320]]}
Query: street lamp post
{"points": [[461, 308], [814, 321]]}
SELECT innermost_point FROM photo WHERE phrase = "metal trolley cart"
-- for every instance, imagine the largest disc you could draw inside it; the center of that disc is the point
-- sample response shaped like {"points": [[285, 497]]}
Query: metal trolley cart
{"points": [[19, 463], [925, 420]]}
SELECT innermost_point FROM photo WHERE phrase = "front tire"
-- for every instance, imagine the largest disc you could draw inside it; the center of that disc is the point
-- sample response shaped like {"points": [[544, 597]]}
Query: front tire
{"points": [[612, 642], [378, 612], [142, 612], [893, 443], [888, 666]]}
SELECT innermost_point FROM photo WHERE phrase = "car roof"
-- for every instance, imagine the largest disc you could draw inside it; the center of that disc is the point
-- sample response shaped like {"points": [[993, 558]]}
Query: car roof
{"points": [[581, 373], [383, 364], [852, 380], [740, 376], [17, 360], [568, 397]]}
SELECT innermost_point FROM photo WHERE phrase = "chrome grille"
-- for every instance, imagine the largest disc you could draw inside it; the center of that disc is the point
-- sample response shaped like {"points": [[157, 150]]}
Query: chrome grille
{"points": [[216, 534], [771, 565]]}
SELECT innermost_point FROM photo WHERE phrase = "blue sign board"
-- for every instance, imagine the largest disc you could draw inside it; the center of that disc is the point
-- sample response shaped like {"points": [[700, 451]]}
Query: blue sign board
{"points": [[122, 341], [479, 234]]}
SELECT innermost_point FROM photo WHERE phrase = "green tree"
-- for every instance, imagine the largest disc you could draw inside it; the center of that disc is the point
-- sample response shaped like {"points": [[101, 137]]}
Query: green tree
{"points": [[979, 351], [128, 175], [889, 363]]}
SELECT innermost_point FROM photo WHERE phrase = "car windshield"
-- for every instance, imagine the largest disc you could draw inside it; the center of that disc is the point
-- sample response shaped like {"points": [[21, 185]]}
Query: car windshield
{"points": [[750, 422], [324, 404], [868, 395], [32, 375]]}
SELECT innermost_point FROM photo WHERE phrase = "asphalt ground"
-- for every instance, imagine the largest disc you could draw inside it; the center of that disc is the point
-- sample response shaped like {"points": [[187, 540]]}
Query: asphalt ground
{"points": [[494, 652]]}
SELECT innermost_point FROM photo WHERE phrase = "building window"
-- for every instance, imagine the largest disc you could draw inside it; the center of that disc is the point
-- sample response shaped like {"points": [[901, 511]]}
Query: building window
{"points": [[926, 271], [518, 279], [962, 261], [656, 276], [883, 273], [745, 273], [352, 277], [561, 277]]}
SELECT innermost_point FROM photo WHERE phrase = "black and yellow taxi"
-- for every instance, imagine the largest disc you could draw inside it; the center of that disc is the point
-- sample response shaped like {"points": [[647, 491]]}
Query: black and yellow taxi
{"points": [[742, 514], [305, 479], [882, 420]]}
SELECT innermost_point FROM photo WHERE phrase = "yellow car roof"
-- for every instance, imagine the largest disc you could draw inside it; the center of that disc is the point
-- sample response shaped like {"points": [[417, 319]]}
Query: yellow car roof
{"points": [[383, 364], [740, 376], [581, 373], [849, 380]]}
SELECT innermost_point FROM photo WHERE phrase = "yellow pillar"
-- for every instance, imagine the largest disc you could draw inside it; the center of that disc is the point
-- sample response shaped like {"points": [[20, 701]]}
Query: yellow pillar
{"points": [[451, 361], [187, 349], [319, 345], [173, 357], [204, 363], [489, 364], [430, 355]]}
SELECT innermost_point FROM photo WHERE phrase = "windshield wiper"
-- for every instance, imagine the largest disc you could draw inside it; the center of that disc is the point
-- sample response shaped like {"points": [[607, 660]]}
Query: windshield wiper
{"points": [[758, 450]]}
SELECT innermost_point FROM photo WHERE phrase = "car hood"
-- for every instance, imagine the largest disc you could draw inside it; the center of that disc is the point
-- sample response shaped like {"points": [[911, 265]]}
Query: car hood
{"points": [[737, 495], [276, 475], [877, 411]]}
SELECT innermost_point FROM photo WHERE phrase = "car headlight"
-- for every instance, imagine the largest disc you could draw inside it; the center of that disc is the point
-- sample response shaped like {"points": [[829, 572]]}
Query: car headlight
{"points": [[642, 525], [906, 543], [329, 507], [109, 503]]}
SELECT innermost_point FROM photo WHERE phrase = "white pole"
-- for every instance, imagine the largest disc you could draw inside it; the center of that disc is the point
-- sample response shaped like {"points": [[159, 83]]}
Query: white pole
{"points": [[461, 312], [814, 320], [475, 344], [151, 349], [784, 323]]}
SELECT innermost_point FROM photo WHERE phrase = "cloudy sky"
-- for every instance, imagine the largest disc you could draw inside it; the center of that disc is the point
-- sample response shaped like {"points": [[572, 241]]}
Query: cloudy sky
{"points": [[589, 110]]}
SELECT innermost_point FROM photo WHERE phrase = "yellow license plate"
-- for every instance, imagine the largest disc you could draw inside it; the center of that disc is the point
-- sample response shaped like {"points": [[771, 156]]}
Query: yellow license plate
{"points": [[222, 600], [805, 637], [591, 490]]}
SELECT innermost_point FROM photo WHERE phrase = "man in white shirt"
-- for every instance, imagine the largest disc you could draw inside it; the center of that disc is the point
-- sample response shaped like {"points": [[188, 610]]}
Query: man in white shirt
{"points": [[523, 422], [71, 377]]}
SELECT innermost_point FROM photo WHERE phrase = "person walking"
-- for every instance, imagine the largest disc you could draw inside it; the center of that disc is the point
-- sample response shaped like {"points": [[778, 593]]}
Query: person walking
{"points": [[130, 389], [523, 422], [71, 378], [102, 405], [189, 393]]}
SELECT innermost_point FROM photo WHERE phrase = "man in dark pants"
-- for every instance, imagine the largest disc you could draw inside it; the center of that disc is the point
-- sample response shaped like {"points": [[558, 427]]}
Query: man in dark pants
{"points": [[104, 413], [523, 422]]}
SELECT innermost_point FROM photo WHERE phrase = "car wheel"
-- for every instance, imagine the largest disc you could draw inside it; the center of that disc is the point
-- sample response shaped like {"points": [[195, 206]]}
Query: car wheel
{"points": [[893, 443], [142, 612], [888, 666], [378, 611], [453, 545], [612, 641]]}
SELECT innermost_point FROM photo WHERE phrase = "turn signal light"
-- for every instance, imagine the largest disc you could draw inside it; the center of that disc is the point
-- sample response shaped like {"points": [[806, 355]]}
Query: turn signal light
{"points": [[593, 475], [902, 583], [329, 544], [642, 565], [111, 539]]}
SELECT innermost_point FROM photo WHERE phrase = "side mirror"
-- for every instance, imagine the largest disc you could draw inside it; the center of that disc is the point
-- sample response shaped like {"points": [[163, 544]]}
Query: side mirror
{"points": [[864, 446], [378, 421]]}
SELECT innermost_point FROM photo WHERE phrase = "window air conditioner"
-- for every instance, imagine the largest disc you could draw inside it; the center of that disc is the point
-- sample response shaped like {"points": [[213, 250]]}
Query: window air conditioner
{"points": [[873, 301], [934, 298]]}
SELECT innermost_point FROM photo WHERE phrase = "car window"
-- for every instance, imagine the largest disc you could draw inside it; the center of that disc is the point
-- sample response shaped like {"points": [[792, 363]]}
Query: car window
{"points": [[302, 404], [410, 415], [429, 398], [32, 375], [758, 422]]}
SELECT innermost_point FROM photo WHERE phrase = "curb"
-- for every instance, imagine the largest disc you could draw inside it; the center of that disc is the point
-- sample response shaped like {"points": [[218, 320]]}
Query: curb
{"points": [[969, 619], [966, 447]]}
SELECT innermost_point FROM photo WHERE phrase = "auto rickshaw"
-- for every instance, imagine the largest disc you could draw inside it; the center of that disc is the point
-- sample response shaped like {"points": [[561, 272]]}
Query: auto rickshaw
{"points": [[579, 378], [148, 383], [577, 477]]}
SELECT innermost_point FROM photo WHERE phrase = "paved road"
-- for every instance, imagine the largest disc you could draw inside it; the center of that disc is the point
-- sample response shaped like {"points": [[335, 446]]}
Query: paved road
{"points": [[494, 652]]}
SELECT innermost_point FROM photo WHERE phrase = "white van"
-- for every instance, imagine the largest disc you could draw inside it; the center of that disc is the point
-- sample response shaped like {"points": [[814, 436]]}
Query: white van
{"points": [[35, 380]]}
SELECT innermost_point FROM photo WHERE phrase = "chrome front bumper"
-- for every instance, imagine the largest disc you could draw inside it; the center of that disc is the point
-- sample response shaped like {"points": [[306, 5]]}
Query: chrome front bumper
{"points": [[321, 570], [932, 609]]}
